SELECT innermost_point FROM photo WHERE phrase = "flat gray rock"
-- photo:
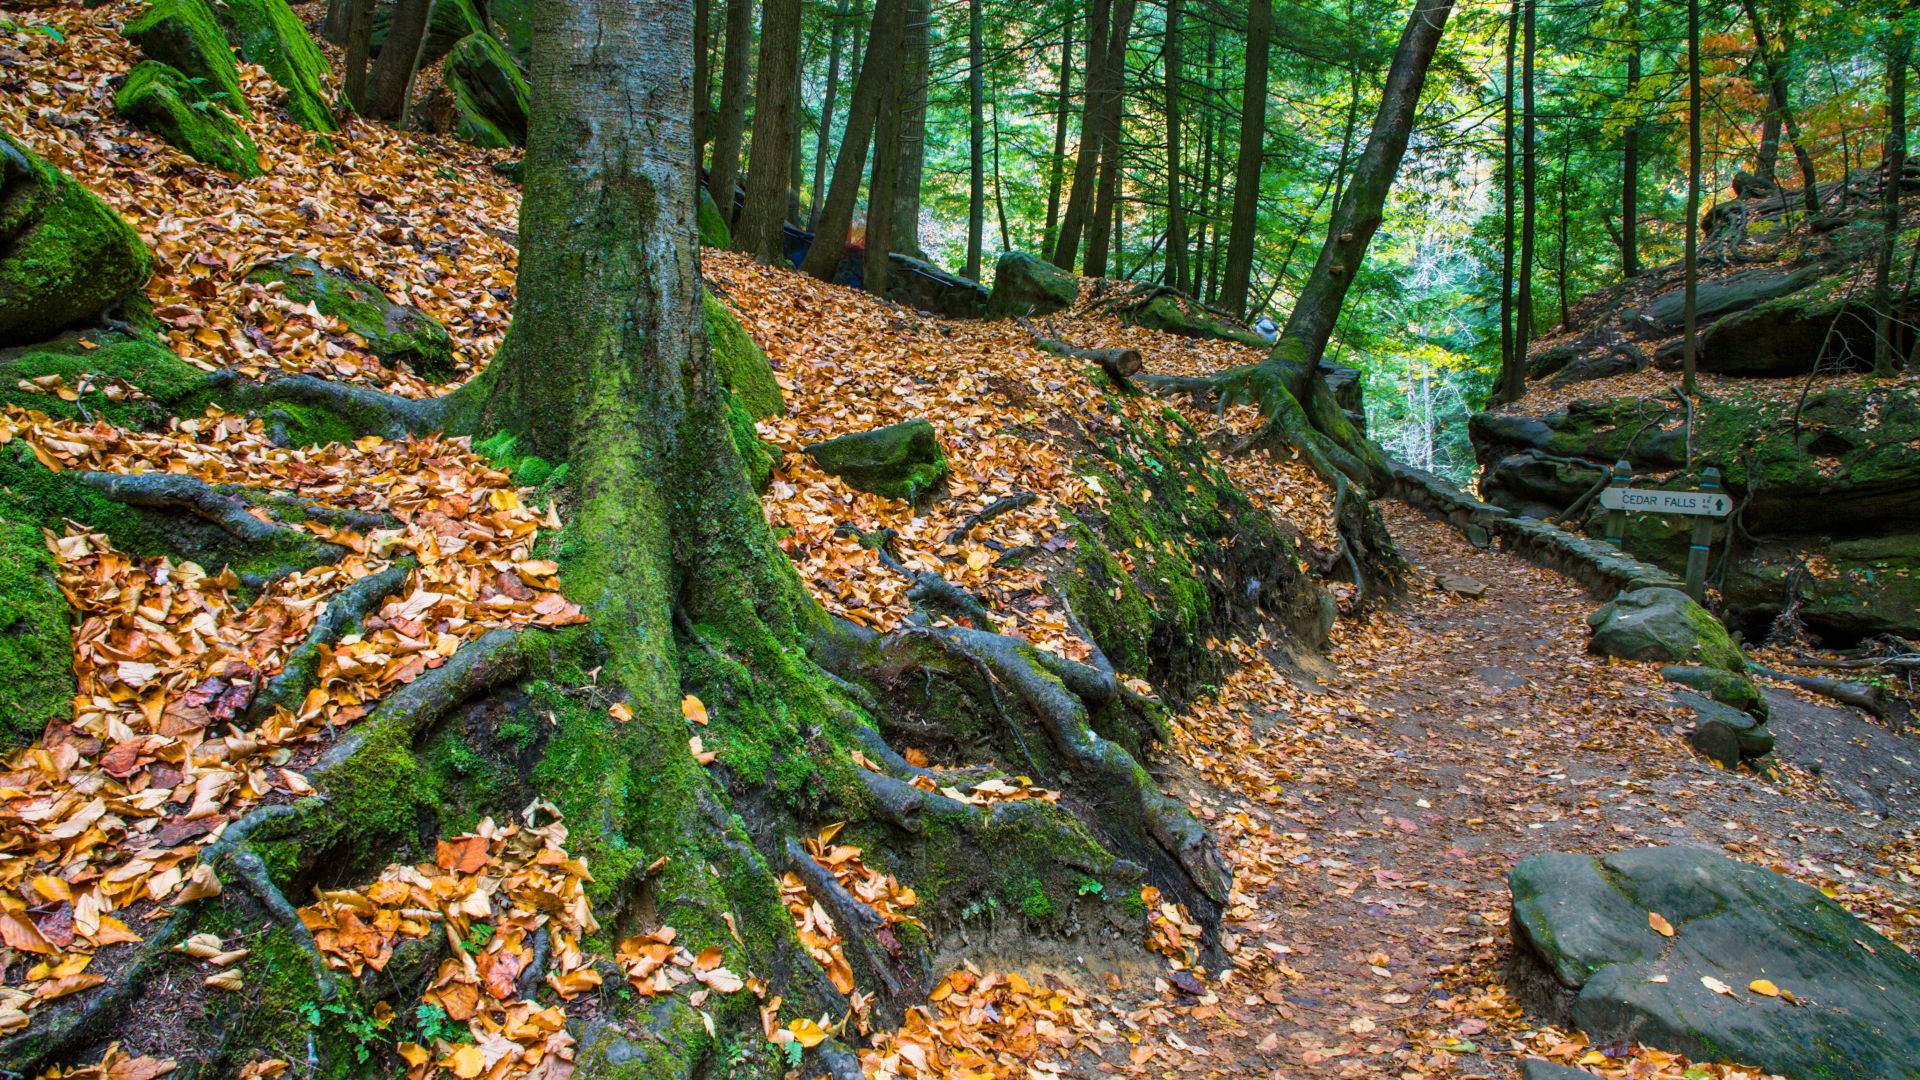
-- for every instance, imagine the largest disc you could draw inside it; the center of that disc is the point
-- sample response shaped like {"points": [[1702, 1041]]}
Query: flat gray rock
{"points": [[1586, 952]]}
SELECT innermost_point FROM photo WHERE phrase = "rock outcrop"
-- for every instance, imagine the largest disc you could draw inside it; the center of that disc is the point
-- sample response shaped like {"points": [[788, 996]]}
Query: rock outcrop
{"points": [[268, 33], [65, 256], [163, 100], [1687, 950], [489, 93], [900, 461], [1026, 284]]}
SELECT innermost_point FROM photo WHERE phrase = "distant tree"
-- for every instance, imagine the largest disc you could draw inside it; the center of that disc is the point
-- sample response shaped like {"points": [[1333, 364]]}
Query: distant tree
{"points": [[1176, 272], [730, 125], [1689, 363], [1630, 151], [875, 80], [1246, 184], [1893, 169], [1775, 65], [1062, 107], [822, 137], [914, 69], [393, 71], [776, 106], [1086, 160], [976, 136]]}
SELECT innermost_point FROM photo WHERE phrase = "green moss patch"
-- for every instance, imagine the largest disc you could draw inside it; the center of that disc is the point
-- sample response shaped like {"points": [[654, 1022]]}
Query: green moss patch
{"points": [[899, 461], [268, 33], [185, 35], [743, 367], [36, 650], [164, 101], [489, 93]]}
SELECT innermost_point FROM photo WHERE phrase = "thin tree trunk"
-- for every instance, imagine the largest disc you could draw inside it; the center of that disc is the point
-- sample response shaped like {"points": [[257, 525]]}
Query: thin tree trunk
{"points": [[883, 187], [1246, 183], [976, 138], [1630, 153], [1063, 102], [796, 165], [913, 127], [999, 190], [413, 70], [1776, 66], [359, 38], [1112, 117], [1512, 384], [836, 217], [1177, 274], [1560, 269], [1207, 234], [387, 89], [775, 102], [1893, 168], [1766, 159], [1310, 325], [1087, 160], [702, 83], [1689, 362], [821, 139], [1529, 175], [729, 126]]}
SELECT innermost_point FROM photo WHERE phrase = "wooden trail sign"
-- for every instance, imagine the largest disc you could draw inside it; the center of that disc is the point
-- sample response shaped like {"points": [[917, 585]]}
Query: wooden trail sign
{"points": [[1702, 506], [1653, 501]]}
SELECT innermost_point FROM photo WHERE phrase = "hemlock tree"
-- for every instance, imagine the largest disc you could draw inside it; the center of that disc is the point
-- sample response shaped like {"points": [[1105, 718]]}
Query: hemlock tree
{"points": [[843, 192], [1246, 182], [776, 103], [723, 173]]}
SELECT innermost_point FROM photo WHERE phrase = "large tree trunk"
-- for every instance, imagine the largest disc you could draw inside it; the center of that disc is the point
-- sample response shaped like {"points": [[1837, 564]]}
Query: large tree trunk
{"points": [[359, 39], [776, 101], [729, 127], [1176, 275], [914, 62], [836, 218], [1062, 103], [393, 71], [1253, 141], [822, 140], [1893, 169], [1106, 192], [883, 187], [976, 138], [1630, 153], [1086, 160]]}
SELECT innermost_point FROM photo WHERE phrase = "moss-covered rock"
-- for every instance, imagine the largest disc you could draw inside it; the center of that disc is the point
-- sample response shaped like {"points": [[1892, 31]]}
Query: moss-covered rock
{"points": [[185, 35], [36, 650], [1171, 314], [131, 382], [1725, 687], [65, 256], [1847, 589], [396, 333], [743, 367], [268, 33], [713, 225], [451, 21], [161, 99], [489, 93], [900, 461], [1663, 624], [1024, 284], [511, 24]]}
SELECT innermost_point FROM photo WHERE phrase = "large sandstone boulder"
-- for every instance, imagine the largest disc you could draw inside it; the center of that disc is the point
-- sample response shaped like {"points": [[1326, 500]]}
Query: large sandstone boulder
{"points": [[184, 34], [65, 256], [1858, 587], [900, 461], [923, 286], [451, 20], [1760, 969], [1726, 295], [268, 33], [163, 100], [511, 24], [489, 93], [1663, 624], [1025, 284], [396, 333]]}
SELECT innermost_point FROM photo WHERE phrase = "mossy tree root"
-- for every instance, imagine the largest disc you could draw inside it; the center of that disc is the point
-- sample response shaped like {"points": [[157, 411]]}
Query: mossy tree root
{"points": [[344, 613], [187, 494], [362, 410], [899, 976]]}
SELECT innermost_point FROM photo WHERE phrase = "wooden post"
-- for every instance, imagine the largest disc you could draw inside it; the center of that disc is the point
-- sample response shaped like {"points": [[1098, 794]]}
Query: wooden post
{"points": [[1617, 519], [1702, 541]]}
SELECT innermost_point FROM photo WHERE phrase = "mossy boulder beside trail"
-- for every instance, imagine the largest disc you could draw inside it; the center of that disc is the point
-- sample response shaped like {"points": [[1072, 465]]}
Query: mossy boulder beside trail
{"points": [[1724, 734], [742, 366], [1175, 315], [186, 35], [1761, 969], [36, 648], [1026, 284], [65, 256], [160, 98], [396, 333], [1734, 292], [1726, 687], [451, 21], [1663, 624], [713, 227], [900, 461], [268, 33], [923, 286], [489, 93]]}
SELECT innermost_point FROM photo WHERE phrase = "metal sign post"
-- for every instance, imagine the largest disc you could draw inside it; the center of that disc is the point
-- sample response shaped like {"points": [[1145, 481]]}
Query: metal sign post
{"points": [[1703, 506]]}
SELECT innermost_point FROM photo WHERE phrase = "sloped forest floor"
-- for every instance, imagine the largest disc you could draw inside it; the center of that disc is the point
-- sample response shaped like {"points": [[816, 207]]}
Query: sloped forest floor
{"points": [[1369, 802]]}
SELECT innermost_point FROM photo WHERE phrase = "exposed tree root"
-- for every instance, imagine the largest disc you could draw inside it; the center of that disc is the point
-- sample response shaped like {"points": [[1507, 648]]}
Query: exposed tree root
{"points": [[252, 873], [900, 977], [1870, 699], [347, 610], [992, 510], [187, 494], [370, 412]]}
